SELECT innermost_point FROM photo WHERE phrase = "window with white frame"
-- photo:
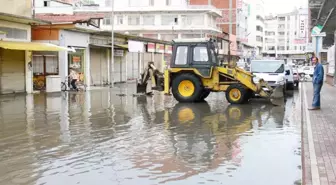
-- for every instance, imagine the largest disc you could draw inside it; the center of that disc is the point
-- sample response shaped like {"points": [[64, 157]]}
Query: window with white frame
{"points": [[108, 3], [151, 2], [133, 20], [168, 37], [148, 20], [120, 20], [168, 19], [134, 3], [107, 21], [46, 3], [168, 2], [195, 20]]}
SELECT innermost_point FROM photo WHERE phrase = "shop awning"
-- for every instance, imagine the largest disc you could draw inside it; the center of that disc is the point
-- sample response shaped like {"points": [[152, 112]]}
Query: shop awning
{"points": [[121, 46], [32, 46]]}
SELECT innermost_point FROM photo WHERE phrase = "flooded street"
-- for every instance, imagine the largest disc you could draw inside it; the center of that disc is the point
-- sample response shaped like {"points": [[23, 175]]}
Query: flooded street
{"points": [[112, 137]]}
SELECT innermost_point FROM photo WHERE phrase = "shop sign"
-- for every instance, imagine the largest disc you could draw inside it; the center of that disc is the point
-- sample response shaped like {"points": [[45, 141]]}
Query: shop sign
{"points": [[151, 47], [168, 49], [159, 48], [299, 41], [135, 46], [118, 52], [302, 30]]}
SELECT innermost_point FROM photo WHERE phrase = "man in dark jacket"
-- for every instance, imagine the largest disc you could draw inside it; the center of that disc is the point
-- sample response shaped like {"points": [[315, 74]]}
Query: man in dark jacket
{"points": [[317, 83]]}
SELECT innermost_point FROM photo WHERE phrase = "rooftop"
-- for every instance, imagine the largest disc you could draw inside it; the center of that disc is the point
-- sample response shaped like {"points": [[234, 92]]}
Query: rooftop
{"points": [[21, 19], [193, 40], [76, 18]]}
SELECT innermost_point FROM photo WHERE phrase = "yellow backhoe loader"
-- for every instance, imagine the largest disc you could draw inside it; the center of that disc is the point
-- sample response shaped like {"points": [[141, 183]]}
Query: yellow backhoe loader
{"points": [[195, 71]]}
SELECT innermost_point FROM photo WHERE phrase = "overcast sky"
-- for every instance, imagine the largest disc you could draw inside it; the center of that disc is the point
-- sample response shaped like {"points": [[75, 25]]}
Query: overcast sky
{"points": [[283, 6]]}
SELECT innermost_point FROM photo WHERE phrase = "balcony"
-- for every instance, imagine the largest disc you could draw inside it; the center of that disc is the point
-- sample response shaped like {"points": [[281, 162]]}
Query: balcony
{"points": [[151, 9], [154, 28]]}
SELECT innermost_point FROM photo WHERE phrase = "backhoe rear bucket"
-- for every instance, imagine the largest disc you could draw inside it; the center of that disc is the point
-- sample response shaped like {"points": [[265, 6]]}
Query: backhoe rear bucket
{"points": [[277, 95], [141, 88]]}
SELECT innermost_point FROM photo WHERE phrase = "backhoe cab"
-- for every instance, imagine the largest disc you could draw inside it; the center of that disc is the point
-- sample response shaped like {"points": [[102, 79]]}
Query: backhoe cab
{"points": [[195, 72]]}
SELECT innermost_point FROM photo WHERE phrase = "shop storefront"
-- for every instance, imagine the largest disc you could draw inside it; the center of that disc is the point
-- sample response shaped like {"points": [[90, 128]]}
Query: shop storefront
{"points": [[44, 64], [77, 61]]}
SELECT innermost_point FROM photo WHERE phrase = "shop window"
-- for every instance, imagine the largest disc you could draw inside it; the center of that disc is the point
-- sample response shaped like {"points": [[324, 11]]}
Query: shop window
{"points": [[38, 65], [51, 64], [76, 61]]}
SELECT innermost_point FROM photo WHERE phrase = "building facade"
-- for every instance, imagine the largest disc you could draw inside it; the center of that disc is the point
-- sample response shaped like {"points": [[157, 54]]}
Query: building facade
{"points": [[234, 20], [159, 19], [256, 22], [286, 35]]}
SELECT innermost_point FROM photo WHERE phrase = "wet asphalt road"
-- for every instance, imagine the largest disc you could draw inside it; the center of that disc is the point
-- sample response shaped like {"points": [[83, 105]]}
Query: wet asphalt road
{"points": [[102, 138]]}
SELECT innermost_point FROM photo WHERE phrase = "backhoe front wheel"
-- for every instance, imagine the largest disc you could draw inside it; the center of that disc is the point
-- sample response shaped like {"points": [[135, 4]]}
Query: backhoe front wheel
{"points": [[187, 88], [236, 94]]}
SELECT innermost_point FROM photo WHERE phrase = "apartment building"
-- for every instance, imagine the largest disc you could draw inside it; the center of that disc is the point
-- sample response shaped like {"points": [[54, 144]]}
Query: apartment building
{"points": [[159, 19], [256, 22], [286, 35], [234, 20]]}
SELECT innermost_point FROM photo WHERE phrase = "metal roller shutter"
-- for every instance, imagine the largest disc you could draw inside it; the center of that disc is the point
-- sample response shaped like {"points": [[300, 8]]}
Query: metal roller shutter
{"points": [[12, 71]]}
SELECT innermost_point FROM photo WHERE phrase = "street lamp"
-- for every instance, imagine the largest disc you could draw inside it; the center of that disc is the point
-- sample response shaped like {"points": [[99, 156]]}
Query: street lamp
{"points": [[112, 44]]}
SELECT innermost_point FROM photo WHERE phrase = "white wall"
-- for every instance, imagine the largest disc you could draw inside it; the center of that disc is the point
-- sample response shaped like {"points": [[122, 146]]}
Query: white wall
{"points": [[55, 8], [138, 3]]}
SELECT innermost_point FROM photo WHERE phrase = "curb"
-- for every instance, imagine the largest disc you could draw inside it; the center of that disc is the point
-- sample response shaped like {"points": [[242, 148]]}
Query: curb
{"points": [[309, 160]]}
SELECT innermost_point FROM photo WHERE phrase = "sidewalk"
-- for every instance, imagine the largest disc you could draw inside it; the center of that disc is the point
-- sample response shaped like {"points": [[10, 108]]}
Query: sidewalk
{"points": [[319, 136]]}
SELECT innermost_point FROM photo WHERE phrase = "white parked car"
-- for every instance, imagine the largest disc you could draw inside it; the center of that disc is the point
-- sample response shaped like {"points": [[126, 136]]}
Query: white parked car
{"points": [[272, 71], [306, 70], [289, 77]]}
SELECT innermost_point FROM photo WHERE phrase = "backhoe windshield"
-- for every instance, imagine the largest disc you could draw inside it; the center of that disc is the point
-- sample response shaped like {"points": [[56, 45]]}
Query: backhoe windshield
{"points": [[264, 66]]}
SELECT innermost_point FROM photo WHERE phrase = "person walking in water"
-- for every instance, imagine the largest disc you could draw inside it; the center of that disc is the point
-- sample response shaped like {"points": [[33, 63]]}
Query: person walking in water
{"points": [[74, 78], [318, 78]]}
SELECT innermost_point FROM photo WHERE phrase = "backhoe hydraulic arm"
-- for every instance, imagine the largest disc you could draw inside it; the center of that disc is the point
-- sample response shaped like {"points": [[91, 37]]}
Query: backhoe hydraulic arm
{"points": [[154, 75]]}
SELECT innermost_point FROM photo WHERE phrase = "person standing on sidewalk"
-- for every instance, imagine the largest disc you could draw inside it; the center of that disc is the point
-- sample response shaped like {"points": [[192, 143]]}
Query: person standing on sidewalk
{"points": [[317, 83]]}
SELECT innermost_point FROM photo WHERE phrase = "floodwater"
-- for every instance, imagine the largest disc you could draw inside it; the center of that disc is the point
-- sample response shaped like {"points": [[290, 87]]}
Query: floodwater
{"points": [[112, 137]]}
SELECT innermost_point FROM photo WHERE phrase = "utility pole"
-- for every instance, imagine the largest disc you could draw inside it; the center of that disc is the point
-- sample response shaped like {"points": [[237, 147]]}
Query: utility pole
{"points": [[230, 17], [112, 44]]}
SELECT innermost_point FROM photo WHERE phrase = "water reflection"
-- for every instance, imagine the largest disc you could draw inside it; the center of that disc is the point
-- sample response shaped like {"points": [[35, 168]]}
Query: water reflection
{"points": [[84, 138]]}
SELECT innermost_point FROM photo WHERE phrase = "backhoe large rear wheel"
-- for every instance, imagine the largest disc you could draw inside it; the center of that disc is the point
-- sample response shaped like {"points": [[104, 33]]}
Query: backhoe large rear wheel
{"points": [[236, 94], [187, 88]]}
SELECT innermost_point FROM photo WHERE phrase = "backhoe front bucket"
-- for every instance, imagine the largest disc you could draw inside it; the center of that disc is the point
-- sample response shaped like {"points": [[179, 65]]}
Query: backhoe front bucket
{"points": [[277, 96], [278, 92]]}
